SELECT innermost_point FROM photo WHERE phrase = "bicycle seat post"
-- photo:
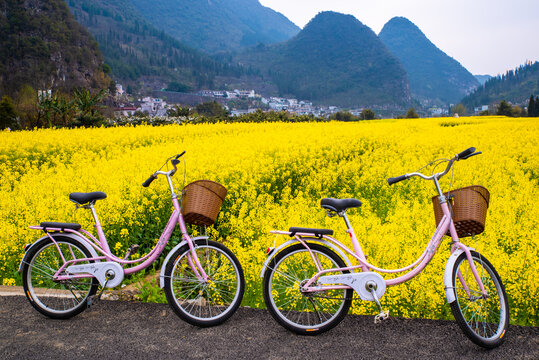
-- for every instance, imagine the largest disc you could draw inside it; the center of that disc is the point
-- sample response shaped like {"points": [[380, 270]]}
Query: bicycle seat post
{"points": [[100, 233]]}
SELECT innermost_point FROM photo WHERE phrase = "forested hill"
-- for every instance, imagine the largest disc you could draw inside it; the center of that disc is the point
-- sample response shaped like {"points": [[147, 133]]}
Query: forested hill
{"points": [[515, 86], [334, 60], [434, 76], [41, 45], [134, 48], [218, 25]]}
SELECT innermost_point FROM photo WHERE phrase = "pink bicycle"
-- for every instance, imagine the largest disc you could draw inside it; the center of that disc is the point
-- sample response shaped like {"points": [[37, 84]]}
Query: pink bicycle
{"points": [[309, 280], [62, 271]]}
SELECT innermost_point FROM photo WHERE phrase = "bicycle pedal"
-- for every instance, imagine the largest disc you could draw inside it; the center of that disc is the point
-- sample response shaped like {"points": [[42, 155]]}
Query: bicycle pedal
{"points": [[384, 315]]}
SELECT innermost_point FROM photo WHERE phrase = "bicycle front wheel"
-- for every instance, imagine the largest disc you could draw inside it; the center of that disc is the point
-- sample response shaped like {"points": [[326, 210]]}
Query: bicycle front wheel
{"points": [[204, 303], [304, 313], [56, 299], [483, 318]]}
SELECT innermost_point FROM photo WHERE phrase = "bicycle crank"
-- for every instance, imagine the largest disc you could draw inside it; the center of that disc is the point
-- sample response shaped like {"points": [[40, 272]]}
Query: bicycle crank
{"points": [[383, 315]]}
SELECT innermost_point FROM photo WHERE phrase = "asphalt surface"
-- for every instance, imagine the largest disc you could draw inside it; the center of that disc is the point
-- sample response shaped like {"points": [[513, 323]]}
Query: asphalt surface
{"points": [[132, 330]]}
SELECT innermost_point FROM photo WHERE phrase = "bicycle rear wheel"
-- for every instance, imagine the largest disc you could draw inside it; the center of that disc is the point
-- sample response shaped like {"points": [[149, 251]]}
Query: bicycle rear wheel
{"points": [[56, 299], [484, 319], [304, 313], [199, 302]]}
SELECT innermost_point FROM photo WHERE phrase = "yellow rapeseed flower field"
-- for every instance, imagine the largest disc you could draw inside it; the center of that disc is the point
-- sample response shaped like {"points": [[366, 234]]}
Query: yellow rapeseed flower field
{"points": [[276, 174]]}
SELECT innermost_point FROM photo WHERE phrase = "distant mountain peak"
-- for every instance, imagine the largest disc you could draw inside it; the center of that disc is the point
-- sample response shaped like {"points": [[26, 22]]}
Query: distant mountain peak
{"points": [[434, 76], [334, 60]]}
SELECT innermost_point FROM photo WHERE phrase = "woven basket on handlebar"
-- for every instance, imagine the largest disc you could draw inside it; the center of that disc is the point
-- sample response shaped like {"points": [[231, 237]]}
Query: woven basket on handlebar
{"points": [[202, 201], [469, 207]]}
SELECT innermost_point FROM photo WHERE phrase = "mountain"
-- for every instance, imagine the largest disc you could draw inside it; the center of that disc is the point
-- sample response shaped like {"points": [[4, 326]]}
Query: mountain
{"points": [[137, 50], [515, 86], [217, 25], [434, 76], [42, 45], [482, 78], [334, 60]]}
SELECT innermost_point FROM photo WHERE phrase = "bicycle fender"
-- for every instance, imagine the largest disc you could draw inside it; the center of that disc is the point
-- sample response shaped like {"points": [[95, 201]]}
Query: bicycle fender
{"points": [[448, 286], [167, 259], [293, 241], [69, 235]]}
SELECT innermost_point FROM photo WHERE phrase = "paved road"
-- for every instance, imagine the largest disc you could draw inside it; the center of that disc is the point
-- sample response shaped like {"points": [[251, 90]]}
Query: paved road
{"points": [[130, 330]]}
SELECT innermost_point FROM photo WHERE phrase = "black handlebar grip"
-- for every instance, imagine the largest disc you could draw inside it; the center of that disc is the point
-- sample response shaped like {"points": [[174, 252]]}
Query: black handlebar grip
{"points": [[465, 153], [469, 156], [394, 180], [179, 155], [149, 181]]}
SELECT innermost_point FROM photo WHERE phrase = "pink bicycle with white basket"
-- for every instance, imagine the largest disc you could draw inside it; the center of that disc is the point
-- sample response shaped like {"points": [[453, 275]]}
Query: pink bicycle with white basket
{"points": [[203, 280], [309, 280]]}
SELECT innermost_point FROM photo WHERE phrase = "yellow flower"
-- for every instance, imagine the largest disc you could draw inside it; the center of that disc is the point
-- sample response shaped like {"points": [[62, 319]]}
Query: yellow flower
{"points": [[276, 174]]}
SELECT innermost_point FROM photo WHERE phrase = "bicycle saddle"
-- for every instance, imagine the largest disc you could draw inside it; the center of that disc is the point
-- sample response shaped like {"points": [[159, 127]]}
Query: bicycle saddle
{"points": [[84, 198], [339, 205]]}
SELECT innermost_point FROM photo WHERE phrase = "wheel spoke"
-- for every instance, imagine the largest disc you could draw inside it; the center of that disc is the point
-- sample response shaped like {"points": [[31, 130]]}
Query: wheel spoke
{"points": [[201, 301], [302, 311], [484, 317]]}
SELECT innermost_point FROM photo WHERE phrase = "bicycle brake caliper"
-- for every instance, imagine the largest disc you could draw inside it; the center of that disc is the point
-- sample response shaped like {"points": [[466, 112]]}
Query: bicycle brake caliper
{"points": [[383, 315]]}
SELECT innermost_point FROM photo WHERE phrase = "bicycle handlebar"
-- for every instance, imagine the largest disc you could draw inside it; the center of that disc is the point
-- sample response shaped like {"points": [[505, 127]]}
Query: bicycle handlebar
{"points": [[149, 181], [174, 162], [463, 155], [395, 180]]}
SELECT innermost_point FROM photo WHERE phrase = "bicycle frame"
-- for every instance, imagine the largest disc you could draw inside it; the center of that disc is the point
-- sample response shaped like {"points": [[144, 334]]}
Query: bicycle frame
{"points": [[413, 269], [101, 246]]}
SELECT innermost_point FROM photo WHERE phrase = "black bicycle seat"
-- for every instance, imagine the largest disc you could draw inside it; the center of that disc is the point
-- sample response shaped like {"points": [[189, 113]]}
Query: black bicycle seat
{"points": [[339, 205], [85, 198]]}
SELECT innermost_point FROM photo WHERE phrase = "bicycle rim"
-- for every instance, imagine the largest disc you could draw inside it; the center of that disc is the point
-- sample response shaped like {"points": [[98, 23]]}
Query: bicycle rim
{"points": [[484, 319], [53, 297], [305, 311], [200, 300]]}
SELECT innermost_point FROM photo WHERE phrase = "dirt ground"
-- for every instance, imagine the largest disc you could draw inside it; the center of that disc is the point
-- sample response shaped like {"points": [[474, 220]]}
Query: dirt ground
{"points": [[133, 330]]}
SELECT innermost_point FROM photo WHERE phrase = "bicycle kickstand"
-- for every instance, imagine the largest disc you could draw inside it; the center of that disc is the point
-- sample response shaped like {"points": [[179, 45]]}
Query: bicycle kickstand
{"points": [[92, 300], [383, 315]]}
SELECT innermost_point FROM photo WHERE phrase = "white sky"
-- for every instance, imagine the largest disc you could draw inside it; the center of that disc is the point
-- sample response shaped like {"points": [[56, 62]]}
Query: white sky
{"points": [[485, 36]]}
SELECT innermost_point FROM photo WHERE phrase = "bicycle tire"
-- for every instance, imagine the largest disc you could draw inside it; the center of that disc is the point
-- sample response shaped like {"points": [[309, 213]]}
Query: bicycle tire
{"points": [[289, 308], [476, 315], [199, 303], [57, 300]]}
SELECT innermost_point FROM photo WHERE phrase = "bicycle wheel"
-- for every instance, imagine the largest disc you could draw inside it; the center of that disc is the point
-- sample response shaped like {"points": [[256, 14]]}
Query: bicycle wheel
{"points": [[304, 313], [199, 302], [56, 299], [483, 319]]}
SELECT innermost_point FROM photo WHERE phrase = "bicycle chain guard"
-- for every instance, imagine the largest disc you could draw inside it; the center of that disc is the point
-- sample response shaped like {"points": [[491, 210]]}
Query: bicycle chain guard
{"points": [[109, 274], [358, 282]]}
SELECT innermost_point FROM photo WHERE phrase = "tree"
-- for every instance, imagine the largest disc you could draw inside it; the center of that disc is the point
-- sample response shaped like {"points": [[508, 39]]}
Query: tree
{"points": [[8, 114], [26, 104], [177, 111], [459, 109], [64, 108], [367, 114], [87, 106], [178, 87], [533, 107], [411, 114], [344, 116], [504, 108], [211, 109], [484, 113]]}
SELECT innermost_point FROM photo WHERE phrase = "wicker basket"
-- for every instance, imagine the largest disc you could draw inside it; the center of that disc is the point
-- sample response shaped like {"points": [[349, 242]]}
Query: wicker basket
{"points": [[202, 201], [469, 206]]}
